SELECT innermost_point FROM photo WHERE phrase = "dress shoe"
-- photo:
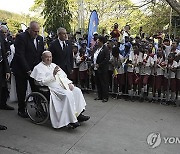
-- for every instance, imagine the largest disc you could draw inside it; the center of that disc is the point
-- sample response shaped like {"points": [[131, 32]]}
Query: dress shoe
{"points": [[74, 125], [97, 99], [132, 99], [23, 114], [104, 100], [6, 107], [3, 127], [82, 118]]}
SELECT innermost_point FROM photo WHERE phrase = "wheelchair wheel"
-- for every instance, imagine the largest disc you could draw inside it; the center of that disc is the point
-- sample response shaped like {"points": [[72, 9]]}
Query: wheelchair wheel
{"points": [[37, 107]]}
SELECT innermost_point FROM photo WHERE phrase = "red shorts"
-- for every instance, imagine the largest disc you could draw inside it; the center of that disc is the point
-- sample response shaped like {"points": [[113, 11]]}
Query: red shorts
{"points": [[74, 75], [83, 75], [131, 78], [172, 85], [159, 82], [121, 79], [151, 80], [144, 79]]}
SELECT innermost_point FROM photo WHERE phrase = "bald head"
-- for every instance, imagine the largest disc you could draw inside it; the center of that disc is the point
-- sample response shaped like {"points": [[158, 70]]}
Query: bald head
{"points": [[33, 29]]}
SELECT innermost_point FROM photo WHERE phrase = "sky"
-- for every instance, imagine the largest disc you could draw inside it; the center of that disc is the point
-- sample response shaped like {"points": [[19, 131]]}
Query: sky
{"points": [[16, 6], [22, 6]]}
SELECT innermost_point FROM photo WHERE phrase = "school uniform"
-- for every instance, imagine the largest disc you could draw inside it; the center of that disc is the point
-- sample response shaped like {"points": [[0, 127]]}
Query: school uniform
{"points": [[170, 81]]}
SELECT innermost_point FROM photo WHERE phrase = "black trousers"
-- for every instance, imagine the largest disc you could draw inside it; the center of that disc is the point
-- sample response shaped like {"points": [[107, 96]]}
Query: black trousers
{"points": [[4, 93], [21, 87], [102, 83]]}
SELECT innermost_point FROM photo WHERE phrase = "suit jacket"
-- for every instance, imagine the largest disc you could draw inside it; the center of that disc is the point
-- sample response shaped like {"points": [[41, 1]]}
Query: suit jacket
{"points": [[62, 57], [4, 66], [26, 55], [103, 60]]}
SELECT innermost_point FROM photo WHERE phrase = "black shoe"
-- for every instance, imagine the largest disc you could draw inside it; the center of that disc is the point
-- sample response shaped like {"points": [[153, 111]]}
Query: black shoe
{"points": [[119, 96], [152, 100], [166, 103], [3, 127], [74, 125], [159, 100], [23, 114], [127, 98], [173, 103], [132, 99], [97, 99], [6, 107], [104, 100], [141, 99], [82, 118]]}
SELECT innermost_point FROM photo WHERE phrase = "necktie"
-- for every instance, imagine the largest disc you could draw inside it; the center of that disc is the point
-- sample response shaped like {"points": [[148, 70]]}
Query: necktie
{"points": [[64, 44], [35, 44]]}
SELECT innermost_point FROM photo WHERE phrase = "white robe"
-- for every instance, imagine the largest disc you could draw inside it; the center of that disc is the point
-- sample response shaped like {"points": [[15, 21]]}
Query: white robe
{"points": [[65, 105]]}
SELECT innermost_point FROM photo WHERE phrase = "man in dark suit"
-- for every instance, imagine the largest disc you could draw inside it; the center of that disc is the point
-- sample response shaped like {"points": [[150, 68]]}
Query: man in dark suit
{"points": [[28, 49], [101, 65], [61, 50], [4, 76]]}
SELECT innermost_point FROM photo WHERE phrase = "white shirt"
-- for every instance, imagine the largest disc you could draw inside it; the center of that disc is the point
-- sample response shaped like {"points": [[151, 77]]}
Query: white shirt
{"points": [[146, 68], [96, 55], [170, 73], [83, 66], [61, 43], [159, 69], [167, 50], [136, 59]]}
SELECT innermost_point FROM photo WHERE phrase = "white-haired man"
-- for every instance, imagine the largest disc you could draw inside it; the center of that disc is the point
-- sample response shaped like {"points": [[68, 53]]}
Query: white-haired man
{"points": [[61, 50], [66, 101]]}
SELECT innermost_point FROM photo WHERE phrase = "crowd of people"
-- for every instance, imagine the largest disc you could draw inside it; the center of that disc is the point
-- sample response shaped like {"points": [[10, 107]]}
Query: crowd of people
{"points": [[117, 64], [131, 68]]}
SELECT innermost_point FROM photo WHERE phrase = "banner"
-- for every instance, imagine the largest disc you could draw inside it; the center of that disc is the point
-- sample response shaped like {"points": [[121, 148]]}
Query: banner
{"points": [[93, 25]]}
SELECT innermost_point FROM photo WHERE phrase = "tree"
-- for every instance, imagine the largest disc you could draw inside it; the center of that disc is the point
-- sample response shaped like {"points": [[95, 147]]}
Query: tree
{"points": [[153, 18], [175, 5], [56, 14]]}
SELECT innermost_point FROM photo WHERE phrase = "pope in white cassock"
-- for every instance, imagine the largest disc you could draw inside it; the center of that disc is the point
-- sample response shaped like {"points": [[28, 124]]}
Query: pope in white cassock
{"points": [[66, 101]]}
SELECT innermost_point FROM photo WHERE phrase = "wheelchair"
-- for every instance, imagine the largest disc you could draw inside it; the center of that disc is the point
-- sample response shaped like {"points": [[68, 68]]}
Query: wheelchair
{"points": [[37, 105]]}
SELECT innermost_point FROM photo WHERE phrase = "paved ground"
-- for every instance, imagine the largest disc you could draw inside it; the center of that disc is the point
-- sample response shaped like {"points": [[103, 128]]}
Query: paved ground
{"points": [[115, 127]]}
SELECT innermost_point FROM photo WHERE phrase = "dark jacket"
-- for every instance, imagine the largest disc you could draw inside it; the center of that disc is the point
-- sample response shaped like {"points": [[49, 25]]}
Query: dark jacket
{"points": [[103, 60], [26, 55], [62, 57], [4, 66]]}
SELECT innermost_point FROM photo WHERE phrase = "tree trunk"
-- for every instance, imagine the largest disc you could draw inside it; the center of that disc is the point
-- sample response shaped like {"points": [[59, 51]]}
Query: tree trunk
{"points": [[175, 5]]}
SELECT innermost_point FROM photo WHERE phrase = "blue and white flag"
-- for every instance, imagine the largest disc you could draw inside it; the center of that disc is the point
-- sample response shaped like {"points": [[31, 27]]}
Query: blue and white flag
{"points": [[93, 25]]}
